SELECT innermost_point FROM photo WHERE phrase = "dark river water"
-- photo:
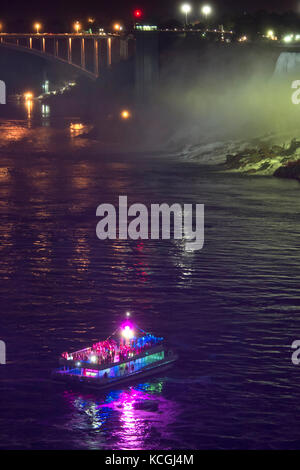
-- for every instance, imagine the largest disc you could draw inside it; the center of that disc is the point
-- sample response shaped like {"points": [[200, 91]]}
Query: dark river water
{"points": [[231, 310]]}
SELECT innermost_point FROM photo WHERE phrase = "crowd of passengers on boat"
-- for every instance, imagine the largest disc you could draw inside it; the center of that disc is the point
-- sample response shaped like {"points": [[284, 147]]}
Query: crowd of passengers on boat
{"points": [[109, 351]]}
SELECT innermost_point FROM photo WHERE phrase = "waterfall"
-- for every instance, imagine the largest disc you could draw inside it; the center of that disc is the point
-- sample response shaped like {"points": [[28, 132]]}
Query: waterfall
{"points": [[287, 63]]}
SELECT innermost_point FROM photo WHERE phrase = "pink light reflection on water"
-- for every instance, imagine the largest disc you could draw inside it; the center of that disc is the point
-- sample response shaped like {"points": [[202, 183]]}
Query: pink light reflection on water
{"points": [[127, 419]]}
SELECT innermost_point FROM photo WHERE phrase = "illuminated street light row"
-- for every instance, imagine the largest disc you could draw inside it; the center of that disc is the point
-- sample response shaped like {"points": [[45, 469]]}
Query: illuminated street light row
{"points": [[138, 14], [186, 8], [77, 26]]}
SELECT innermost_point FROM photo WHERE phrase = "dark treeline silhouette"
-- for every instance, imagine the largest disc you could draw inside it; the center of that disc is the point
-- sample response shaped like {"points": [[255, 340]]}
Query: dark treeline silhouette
{"points": [[261, 21]]}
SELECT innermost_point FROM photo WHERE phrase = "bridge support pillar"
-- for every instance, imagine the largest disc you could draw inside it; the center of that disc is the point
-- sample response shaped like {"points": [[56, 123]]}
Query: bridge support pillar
{"points": [[82, 53], [123, 49], [30, 43], [43, 45], [55, 48], [70, 50], [146, 64], [96, 57], [109, 52]]}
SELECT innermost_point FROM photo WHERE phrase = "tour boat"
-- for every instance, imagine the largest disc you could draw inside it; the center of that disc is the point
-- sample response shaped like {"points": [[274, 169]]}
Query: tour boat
{"points": [[128, 354]]}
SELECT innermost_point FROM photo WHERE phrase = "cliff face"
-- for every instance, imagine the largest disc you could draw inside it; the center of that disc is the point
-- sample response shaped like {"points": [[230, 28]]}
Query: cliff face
{"points": [[280, 161]]}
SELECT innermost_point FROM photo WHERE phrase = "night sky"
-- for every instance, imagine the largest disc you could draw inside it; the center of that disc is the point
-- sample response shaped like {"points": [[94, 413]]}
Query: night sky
{"points": [[19, 14]]}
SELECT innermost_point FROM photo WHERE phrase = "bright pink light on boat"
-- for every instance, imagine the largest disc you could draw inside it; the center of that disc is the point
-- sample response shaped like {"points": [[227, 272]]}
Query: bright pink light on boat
{"points": [[127, 330]]}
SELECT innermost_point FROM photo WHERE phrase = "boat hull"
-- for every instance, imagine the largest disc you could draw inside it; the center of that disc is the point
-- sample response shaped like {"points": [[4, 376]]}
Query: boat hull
{"points": [[100, 384]]}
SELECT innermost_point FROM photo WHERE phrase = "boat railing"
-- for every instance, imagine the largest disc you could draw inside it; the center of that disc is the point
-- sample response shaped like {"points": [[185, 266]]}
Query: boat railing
{"points": [[101, 366]]}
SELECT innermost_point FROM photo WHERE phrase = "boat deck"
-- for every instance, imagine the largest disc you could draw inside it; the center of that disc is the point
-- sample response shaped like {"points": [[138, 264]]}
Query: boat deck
{"points": [[92, 377]]}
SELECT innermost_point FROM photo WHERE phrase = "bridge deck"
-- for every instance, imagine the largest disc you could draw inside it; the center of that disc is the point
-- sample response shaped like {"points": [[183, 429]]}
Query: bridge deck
{"points": [[59, 35]]}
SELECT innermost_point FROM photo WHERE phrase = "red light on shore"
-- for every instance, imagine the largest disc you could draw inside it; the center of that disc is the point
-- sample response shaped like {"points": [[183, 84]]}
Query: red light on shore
{"points": [[137, 13]]}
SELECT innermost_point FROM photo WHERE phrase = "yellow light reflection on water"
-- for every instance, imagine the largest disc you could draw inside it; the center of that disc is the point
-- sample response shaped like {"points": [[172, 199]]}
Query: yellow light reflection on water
{"points": [[12, 132], [42, 257], [81, 256], [4, 174], [29, 108], [83, 175], [76, 126], [28, 97]]}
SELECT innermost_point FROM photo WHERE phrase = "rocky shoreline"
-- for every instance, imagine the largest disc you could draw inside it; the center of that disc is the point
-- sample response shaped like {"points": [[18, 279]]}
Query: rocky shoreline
{"points": [[282, 161]]}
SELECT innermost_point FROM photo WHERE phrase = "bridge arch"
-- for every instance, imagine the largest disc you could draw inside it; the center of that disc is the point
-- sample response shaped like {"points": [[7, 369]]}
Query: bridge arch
{"points": [[49, 57], [59, 48]]}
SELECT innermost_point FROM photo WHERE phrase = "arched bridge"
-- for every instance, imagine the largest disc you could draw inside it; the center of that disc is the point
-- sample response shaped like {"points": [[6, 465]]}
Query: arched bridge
{"points": [[86, 53]]}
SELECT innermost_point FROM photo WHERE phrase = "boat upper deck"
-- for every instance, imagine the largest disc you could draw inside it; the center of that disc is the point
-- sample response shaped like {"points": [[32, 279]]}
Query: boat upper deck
{"points": [[115, 350], [82, 363]]}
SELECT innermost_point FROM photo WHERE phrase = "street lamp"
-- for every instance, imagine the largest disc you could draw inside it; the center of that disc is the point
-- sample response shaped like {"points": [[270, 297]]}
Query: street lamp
{"points": [[206, 10], [77, 26], [125, 114], [37, 27], [117, 27], [28, 96], [270, 34], [186, 8]]}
